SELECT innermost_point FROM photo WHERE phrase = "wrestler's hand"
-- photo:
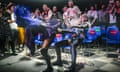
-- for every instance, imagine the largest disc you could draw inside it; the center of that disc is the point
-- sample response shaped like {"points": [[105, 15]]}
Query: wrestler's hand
{"points": [[9, 21], [59, 30]]}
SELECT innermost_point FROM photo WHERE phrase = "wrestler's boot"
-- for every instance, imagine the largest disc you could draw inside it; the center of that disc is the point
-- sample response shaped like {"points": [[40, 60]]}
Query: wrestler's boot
{"points": [[58, 61], [58, 52], [73, 65], [44, 52], [73, 56]]}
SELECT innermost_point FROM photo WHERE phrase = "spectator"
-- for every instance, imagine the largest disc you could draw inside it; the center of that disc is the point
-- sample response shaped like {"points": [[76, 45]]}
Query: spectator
{"points": [[64, 12], [111, 14], [73, 10], [92, 15], [47, 13], [73, 14], [56, 14], [102, 15], [83, 18], [117, 3], [85, 11], [37, 14], [4, 30], [13, 27], [64, 16], [111, 1]]}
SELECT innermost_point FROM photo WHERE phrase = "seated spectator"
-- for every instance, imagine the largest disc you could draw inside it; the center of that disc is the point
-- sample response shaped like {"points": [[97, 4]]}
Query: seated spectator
{"points": [[64, 16]]}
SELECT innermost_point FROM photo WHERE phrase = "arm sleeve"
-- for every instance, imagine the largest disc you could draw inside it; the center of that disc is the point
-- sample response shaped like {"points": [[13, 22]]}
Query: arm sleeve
{"points": [[77, 10], [49, 14], [96, 15]]}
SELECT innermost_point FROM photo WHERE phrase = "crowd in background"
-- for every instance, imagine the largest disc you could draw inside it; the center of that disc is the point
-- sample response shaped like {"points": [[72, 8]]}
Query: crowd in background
{"points": [[9, 29], [53, 20]]}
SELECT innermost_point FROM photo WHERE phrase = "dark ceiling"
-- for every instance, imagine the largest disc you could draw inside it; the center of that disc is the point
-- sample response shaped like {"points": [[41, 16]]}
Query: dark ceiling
{"points": [[59, 3]]}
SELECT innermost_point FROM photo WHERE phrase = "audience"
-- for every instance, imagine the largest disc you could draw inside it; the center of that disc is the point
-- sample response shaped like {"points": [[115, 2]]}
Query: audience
{"points": [[108, 14], [72, 16], [111, 14]]}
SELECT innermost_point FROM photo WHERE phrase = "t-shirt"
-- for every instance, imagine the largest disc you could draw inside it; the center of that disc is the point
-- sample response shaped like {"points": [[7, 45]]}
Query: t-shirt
{"points": [[13, 25], [73, 12], [92, 14], [64, 15], [4, 25], [102, 16], [112, 18]]}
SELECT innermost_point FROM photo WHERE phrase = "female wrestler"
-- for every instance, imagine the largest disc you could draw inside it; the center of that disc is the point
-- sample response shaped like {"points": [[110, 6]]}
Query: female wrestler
{"points": [[47, 28], [34, 26]]}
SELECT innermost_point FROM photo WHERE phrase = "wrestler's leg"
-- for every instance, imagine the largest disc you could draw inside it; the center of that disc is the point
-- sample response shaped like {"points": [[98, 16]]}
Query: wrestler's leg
{"points": [[58, 52], [73, 54], [21, 31], [45, 43], [44, 52], [73, 44], [30, 40]]}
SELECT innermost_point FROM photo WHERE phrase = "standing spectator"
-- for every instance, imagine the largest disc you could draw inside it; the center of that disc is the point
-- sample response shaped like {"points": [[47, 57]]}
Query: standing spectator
{"points": [[56, 14], [111, 1], [73, 10], [47, 13], [37, 14], [85, 11], [64, 12], [73, 14], [92, 15], [64, 16], [4, 30], [13, 27], [102, 15], [117, 3], [2, 39], [111, 14]]}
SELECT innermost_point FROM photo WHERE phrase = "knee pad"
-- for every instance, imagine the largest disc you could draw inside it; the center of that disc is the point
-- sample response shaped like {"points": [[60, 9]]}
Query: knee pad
{"points": [[44, 52]]}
